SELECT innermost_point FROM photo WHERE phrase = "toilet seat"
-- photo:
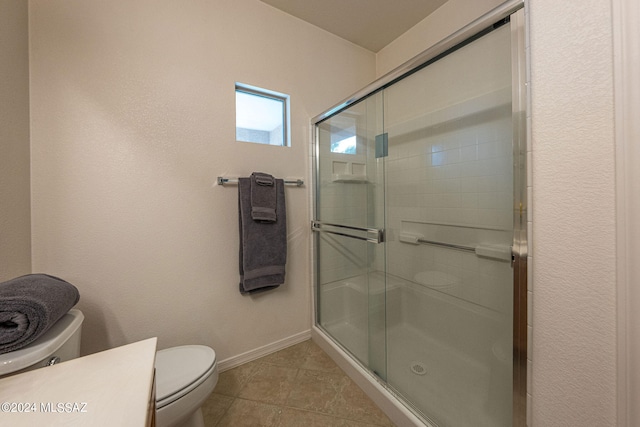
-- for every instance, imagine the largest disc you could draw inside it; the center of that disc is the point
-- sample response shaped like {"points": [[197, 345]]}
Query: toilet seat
{"points": [[179, 370]]}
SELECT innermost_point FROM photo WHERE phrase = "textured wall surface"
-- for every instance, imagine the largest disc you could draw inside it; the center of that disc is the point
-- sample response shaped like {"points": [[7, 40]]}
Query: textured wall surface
{"points": [[15, 215], [574, 309], [133, 118], [448, 18]]}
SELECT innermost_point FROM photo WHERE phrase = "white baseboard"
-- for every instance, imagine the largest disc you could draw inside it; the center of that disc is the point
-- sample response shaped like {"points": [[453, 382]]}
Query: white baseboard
{"points": [[232, 362]]}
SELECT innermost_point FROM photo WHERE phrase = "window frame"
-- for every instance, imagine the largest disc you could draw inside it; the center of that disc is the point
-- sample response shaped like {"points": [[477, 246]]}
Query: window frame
{"points": [[273, 95]]}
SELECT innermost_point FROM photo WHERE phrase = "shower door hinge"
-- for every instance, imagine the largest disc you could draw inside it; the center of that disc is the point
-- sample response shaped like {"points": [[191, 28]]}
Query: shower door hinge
{"points": [[382, 145]]}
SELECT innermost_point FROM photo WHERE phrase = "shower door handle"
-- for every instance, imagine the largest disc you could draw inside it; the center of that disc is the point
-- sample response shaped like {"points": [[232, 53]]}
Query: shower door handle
{"points": [[371, 235]]}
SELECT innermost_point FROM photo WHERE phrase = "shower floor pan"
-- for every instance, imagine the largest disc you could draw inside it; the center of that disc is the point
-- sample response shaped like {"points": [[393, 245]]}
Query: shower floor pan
{"points": [[437, 354]]}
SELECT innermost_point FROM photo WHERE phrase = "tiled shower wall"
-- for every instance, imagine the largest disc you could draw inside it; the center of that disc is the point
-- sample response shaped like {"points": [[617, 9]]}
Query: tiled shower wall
{"points": [[349, 193], [448, 177], [449, 173], [451, 181]]}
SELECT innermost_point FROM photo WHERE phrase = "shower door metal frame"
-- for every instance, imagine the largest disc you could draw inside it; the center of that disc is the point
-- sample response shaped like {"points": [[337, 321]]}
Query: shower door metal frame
{"points": [[511, 11], [520, 218]]}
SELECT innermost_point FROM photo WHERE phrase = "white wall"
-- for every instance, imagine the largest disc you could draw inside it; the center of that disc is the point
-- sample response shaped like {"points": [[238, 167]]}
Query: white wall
{"points": [[15, 216], [573, 379], [133, 117], [574, 307], [448, 18]]}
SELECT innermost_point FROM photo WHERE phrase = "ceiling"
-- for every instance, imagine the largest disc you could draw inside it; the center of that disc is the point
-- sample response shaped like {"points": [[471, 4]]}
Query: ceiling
{"points": [[372, 24]]}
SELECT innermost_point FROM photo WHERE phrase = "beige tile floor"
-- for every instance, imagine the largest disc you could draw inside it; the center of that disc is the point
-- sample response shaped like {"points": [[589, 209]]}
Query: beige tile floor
{"points": [[299, 386]]}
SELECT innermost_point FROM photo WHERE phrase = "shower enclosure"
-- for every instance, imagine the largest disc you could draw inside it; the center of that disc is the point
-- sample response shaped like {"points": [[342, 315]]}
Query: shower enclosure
{"points": [[420, 232]]}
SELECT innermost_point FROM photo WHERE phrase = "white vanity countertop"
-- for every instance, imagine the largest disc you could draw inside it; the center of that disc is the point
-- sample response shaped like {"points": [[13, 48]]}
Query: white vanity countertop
{"points": [[110, 388]]}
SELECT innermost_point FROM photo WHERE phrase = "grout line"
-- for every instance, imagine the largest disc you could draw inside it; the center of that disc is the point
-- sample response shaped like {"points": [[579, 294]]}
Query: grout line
{"points": [[259, 362], [225, 411]]}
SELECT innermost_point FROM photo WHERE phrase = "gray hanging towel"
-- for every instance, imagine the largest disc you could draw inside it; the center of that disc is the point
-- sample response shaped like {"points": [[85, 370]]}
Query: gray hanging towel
{"points": [[263, 197], [263, 245], [30, 305]]}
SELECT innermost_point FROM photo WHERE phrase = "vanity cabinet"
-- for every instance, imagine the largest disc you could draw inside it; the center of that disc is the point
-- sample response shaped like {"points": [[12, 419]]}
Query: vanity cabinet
{"points": [[115, 387]]}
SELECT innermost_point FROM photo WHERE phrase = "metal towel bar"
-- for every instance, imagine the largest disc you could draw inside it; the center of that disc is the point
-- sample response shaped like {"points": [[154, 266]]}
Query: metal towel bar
{"points": [[222, 181], [377, 233], [447, 245]]}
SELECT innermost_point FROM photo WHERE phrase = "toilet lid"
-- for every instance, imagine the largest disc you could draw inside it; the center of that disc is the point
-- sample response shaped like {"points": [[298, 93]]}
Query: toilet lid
{"points": [[179, 367]]}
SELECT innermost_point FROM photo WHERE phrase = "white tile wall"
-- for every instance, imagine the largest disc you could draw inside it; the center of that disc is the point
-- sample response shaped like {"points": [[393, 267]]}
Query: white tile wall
{"points": [[453, 173], [348, 203], [452, 167]]}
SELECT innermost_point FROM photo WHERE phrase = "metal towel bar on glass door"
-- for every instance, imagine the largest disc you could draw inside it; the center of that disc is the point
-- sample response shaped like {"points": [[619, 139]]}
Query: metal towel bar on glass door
{"points": [[378, 234], [446, 245], [222, 181]]}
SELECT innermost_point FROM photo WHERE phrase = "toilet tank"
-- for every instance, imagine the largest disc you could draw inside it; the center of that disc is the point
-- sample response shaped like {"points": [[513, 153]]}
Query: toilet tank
{"points": [[60, 343]]}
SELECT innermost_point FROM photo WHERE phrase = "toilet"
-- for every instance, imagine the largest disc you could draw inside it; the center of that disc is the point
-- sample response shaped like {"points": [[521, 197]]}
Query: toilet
{"points": [[60, 343], [185, 377]]}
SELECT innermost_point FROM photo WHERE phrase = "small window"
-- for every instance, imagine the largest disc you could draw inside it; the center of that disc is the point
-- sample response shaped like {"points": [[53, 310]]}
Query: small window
{"points": [[262, 116], [343, 139], [343, 145]]}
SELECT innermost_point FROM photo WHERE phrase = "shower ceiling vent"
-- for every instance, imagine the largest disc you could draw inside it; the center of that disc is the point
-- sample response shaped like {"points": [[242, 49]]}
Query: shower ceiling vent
{"points": [[418, 368]]}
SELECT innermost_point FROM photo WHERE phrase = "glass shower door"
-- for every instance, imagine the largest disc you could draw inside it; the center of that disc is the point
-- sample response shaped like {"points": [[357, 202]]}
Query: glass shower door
{"points": [[421, 237], [350, 252], [450, 225]]}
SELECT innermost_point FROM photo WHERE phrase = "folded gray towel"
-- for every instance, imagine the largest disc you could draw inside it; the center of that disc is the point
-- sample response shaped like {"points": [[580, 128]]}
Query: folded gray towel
{"points": [[262, 178], [30, 305], [263, 197], [263, 245]]}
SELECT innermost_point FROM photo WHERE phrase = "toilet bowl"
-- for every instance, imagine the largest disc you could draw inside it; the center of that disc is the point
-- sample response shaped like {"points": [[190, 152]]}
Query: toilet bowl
{"points": [[60, 343], [185, 377]]}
